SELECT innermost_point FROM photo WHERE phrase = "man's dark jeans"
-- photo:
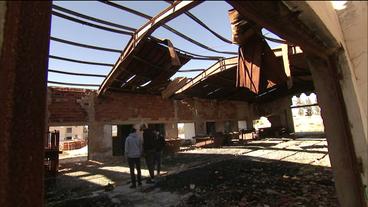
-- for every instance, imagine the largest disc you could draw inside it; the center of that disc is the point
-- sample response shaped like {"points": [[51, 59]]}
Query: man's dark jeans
{"points": [[135, 162], [150, 162], [158, 161]]}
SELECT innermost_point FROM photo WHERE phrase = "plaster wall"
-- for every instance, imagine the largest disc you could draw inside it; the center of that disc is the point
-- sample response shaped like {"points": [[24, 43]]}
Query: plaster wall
{"points": [[348, 27]]}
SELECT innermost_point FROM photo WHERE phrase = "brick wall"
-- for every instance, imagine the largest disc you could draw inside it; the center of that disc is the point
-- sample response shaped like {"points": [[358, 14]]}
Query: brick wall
{"points": [[68, 105], [125, 106], [64, 105]]}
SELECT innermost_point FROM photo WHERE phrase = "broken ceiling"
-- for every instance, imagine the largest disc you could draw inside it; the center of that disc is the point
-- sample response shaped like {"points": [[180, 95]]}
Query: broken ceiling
{"points": [[256, 74]]}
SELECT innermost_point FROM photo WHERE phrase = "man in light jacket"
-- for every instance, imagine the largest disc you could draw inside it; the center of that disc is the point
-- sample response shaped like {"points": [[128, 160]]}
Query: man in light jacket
{"points": [[133, 151]]}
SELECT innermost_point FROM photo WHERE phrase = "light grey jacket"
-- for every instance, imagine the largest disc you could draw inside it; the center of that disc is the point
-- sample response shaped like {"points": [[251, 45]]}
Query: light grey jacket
{"points": [[133, 146]]}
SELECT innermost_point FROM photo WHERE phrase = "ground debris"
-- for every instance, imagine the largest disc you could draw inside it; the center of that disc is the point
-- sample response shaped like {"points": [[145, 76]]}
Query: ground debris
{"points": [[247, 182], [206, 177]]}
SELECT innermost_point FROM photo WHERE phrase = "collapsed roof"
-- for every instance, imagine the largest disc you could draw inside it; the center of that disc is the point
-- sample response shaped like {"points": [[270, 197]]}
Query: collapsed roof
{"points": [[147, 64], [218, 82], [148, 68]]}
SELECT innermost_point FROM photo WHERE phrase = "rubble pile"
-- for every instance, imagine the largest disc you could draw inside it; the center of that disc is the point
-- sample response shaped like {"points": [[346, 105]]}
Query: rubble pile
{"points": [[244, 182]]}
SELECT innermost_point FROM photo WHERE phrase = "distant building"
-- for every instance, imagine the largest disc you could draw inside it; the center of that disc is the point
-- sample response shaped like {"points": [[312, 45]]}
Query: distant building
{"points": [[71, 132]]}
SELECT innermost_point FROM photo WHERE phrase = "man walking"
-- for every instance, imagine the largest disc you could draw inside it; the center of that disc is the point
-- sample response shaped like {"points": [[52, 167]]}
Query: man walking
{"points": [[149, 151], [133, 151], [159, 146]]}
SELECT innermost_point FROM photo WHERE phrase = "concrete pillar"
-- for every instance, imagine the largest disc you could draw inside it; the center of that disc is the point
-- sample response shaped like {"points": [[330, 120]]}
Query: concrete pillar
{"points": [[99, 141], [340, 142], [289, 120], [24, 46], [199, 123]]}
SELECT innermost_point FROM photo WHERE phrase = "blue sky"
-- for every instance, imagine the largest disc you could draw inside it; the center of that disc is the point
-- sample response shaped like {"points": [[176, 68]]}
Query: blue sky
{"points": [[213, 13]]}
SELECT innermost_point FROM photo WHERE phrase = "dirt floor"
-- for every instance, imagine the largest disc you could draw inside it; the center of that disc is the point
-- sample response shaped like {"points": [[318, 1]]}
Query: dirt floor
{"points": [[272, 172]]}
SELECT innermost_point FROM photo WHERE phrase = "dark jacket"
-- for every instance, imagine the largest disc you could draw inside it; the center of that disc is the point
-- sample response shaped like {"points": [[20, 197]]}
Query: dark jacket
{"points": [[159, 143], [149, 137]]}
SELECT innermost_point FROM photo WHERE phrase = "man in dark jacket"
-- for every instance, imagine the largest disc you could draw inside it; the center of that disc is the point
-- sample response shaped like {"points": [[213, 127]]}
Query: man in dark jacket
{"points": [[159, 146], [149, 151]]}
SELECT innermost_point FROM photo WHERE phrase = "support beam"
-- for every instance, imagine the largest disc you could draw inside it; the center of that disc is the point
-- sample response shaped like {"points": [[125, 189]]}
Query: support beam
{"points": [[99, 141], [276, 17], [24, 42], [340, 146]]}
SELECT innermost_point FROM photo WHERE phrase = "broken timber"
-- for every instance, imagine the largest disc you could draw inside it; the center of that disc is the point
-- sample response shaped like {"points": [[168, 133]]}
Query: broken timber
{"points": [[174, 10]]}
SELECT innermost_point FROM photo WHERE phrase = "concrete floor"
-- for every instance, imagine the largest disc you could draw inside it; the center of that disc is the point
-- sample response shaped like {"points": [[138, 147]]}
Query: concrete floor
{"points": [[81, 183]]}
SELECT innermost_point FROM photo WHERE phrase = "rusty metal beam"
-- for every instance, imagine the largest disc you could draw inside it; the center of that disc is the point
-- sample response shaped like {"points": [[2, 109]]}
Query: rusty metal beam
{"points": [[76, 74], [79, 61], [90, 24], [84, 45], [25, 31], [174, 10], [200, 57], [277, 18], [62, 9], [73, 84]]}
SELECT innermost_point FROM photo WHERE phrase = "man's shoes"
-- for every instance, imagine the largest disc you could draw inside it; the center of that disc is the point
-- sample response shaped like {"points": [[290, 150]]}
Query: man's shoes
{"points": [[132, 186]]}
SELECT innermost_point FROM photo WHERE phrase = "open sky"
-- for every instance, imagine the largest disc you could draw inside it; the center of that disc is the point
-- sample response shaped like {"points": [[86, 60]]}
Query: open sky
{"points": [[213, 13]]}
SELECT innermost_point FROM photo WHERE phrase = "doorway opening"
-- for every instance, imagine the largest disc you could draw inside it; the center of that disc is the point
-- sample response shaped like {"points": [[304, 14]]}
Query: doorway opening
{"points": [[73, 143], [307, 114]]}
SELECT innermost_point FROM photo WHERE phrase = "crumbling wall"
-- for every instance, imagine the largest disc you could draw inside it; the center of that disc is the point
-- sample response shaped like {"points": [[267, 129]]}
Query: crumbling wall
{"points": [[64, 106], [278, 111], [77, 106], [117, 107]]}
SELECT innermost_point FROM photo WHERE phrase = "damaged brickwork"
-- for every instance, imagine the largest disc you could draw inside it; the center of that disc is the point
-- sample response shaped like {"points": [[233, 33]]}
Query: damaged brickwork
{"points": [[80, 106]]}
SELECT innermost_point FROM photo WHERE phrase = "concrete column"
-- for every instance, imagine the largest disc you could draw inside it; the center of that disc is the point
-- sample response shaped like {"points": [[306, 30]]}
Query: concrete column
{"points": [[289, 120], [199, 123], [24, 44], [99, 141], [340, 141]]}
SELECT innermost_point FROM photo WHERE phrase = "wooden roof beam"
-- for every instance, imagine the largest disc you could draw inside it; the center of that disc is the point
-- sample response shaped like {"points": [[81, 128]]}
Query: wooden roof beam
{"points": [[174, 10]]}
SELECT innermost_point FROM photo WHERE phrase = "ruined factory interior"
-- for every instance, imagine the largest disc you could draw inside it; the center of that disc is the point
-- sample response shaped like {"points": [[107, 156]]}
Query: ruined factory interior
{"points": [[277, 118]]}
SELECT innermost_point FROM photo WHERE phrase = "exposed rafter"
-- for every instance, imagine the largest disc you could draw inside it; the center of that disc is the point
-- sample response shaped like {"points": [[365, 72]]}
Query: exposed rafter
{"points": [[145, 31], [76, 74], [80, 61], [58, 14], [68, 11], [132, 11]]}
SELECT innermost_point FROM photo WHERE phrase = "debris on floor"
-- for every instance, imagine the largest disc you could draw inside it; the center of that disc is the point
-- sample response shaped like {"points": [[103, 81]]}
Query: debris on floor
{"points": [[271, 172]]}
